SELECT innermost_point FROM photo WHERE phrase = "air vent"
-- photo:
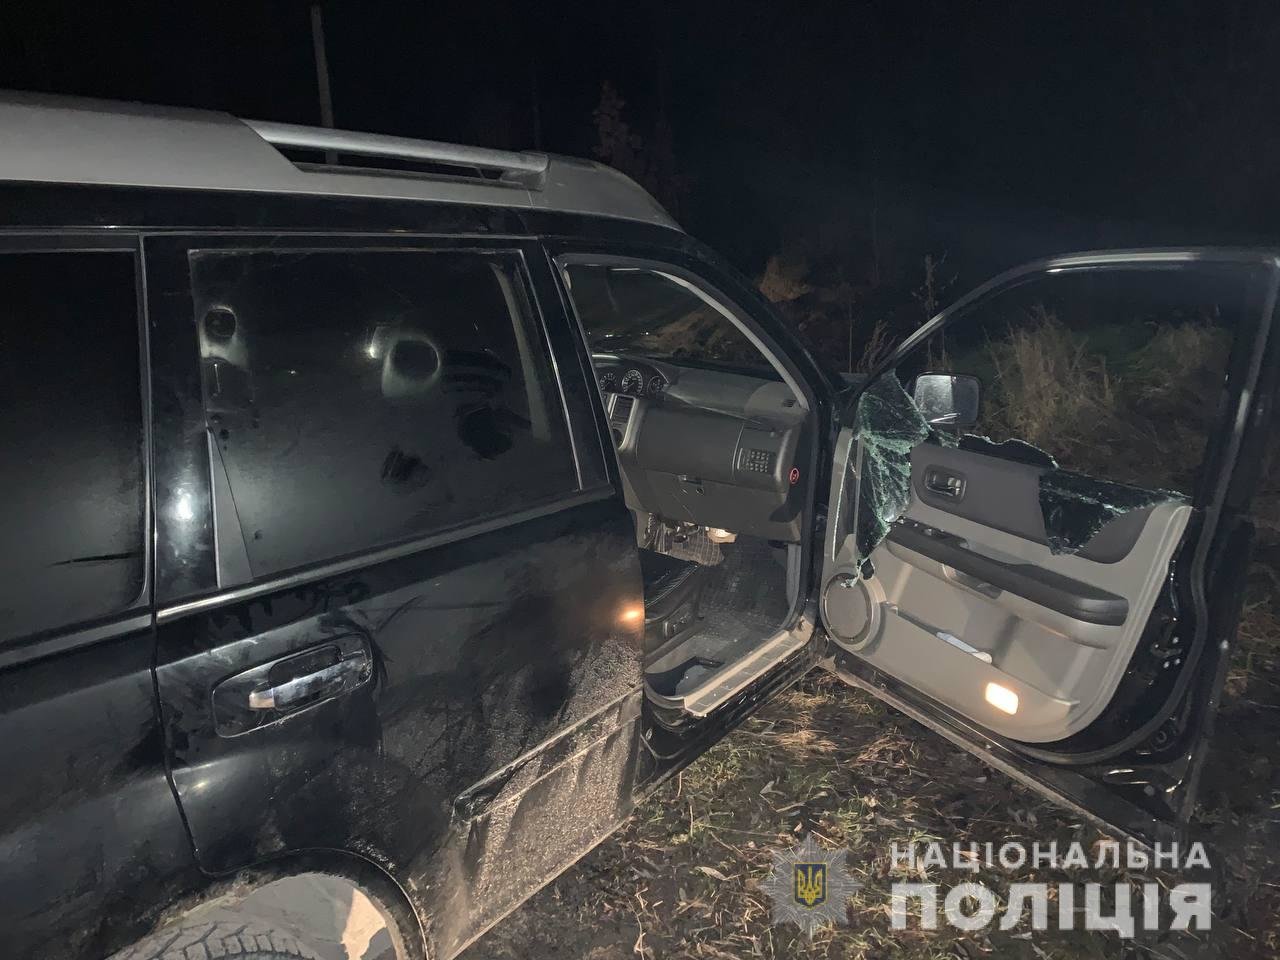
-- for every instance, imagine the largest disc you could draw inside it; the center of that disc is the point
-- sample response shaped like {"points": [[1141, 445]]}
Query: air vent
{"points": [[621, 411]]}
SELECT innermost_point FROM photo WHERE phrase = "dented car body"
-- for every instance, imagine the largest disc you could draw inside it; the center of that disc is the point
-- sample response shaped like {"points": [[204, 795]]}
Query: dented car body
{"points": [[447, 668]]}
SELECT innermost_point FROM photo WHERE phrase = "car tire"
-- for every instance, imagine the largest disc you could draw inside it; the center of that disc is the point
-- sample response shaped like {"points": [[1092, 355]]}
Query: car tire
{"points": [[236, 938]]}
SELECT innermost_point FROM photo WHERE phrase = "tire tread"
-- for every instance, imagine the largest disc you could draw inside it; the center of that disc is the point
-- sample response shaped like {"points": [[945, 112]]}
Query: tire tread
{"points": [[241, 938]]}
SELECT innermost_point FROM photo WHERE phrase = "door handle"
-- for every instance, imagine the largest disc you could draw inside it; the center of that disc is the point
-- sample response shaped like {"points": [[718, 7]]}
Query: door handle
{"points": [[949, 485], [324, 682], [276, 689]]}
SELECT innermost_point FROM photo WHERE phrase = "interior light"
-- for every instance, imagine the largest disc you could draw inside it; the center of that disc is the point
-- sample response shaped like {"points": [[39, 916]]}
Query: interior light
{"points": [[1002, 698], [632, 614], [183, 509]]}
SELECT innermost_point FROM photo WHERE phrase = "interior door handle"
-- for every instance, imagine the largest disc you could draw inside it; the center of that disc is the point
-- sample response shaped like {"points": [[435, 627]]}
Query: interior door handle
{"points": [[949, 485], [324, 682]]}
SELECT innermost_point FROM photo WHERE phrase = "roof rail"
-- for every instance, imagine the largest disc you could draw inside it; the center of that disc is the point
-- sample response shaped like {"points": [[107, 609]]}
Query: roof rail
{"points": [[526, 168], [52, 139]]}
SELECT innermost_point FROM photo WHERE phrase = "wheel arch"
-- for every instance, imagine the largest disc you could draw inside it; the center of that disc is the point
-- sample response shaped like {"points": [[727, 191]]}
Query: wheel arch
{"points": [[231, 891]]}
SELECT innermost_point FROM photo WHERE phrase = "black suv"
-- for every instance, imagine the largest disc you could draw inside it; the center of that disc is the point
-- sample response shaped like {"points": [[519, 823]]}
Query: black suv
{"points": [[402, 512]]}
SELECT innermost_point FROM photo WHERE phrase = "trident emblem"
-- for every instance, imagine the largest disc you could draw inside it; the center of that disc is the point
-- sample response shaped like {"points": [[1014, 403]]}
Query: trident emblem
{"points": [[811, 884]]}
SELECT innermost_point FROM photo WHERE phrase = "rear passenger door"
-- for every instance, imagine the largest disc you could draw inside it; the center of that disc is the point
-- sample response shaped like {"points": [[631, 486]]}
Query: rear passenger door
{"points": [[399, 597]]}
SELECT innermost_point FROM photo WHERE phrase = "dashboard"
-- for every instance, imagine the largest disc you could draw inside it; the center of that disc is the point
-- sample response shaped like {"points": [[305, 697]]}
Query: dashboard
{"points": [[714, 447], [632, 377]]}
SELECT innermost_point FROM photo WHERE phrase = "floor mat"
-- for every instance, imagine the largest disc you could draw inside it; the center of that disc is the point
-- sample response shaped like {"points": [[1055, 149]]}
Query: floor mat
{"points": [[749, 584], [742, 605]]}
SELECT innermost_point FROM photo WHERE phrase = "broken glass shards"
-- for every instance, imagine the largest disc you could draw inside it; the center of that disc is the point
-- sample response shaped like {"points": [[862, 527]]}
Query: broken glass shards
{"points": [[1018, 451], [1076, 507], [888, 426]]}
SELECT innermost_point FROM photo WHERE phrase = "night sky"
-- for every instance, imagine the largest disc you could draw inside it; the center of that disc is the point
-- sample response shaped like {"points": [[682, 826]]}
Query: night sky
{"points": [[991, 132]]}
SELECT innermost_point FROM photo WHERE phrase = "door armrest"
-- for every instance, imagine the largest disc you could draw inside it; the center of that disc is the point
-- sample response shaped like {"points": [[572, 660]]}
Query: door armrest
{"points": [[1065, 595]]}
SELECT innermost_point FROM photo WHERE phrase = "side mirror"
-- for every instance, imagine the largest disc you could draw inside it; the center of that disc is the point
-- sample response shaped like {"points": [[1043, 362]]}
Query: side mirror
{"points": [[948, 400]]}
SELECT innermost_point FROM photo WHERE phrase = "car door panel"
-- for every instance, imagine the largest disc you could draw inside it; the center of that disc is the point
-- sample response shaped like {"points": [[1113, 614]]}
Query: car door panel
{"points": [[480, 663], [1078, 604], [1004, 495], [1006, 601], [427, 706], [1074, 658], [967, 603]]}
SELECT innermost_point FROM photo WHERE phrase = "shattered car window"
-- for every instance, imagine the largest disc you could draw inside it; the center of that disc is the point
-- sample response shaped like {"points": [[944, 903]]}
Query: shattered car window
{"points": [[1076, 507], [1115, 375], [1109, 382], [888, 427], [1017, 451]]}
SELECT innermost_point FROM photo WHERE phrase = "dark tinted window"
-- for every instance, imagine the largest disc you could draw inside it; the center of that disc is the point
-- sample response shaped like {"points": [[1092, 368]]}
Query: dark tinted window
{"points": [[360, 398], [71, 491]]}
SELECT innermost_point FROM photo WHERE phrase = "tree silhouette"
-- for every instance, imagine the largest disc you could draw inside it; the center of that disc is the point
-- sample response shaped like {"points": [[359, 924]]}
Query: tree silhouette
{"points": [[652, 164]]}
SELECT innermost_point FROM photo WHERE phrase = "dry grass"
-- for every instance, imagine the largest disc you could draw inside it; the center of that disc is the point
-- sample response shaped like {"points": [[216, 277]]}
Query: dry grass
{"points": [[1051, 390], [1255, 668], [1138, 416], [784, 279], [876, 346], [1179, 368]]}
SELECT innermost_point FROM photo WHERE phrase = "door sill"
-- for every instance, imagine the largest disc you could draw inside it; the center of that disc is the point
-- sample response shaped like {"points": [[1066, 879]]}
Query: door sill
{"points": [[737, 675]]}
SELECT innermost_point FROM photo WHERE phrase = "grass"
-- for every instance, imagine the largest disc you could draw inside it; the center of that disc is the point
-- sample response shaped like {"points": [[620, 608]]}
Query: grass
{"points": [[1051, 390], [1104, 405]]}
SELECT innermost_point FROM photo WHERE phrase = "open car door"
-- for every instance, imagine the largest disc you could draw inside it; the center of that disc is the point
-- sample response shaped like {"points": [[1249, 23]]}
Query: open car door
{"points": [[1038, 525]]}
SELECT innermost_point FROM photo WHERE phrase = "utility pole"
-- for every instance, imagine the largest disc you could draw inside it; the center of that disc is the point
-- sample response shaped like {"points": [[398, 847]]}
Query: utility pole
{"points": [[322, 74], [536, 111]]}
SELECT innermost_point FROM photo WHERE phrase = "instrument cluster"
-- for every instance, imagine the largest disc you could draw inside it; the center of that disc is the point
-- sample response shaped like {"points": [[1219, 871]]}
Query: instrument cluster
{"points": [[632, 379]]}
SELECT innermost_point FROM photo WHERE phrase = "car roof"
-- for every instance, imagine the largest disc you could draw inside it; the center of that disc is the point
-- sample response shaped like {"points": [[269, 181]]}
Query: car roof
{"points": [[65, 140]]}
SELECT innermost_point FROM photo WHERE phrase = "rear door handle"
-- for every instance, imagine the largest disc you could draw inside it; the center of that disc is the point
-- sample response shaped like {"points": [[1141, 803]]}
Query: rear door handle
{"points": [[949, 485], [270, 691], [324, 682]]}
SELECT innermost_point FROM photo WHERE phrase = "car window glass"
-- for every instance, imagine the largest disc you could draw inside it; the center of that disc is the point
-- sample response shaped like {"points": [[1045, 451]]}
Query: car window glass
{"points": [[360, 398], [641, 312], [72, 491]]}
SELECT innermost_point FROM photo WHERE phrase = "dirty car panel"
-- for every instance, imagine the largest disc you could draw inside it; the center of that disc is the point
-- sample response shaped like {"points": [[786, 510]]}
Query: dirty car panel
{"points": [[477, 661]]}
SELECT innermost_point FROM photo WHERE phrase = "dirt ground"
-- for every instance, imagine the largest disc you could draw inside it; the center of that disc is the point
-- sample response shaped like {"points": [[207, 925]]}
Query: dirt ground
{"points": [[682, 878]]}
